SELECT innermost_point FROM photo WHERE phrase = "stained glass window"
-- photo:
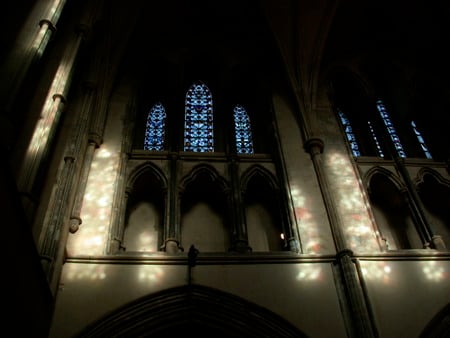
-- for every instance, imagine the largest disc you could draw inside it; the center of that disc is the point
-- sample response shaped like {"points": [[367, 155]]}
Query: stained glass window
{"points": [[349, 133], [243, 132], [198, 122], [155, 128], [421, 141], [375, 140], [390, 128]]}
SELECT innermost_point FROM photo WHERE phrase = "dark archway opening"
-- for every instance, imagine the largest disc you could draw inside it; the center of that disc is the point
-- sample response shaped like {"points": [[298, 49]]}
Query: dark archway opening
{"points": [[191, 309]]}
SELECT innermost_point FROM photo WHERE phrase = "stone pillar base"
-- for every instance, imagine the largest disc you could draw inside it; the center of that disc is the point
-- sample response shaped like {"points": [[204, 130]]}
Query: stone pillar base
{"points": [[172, 246], [438, 243]]}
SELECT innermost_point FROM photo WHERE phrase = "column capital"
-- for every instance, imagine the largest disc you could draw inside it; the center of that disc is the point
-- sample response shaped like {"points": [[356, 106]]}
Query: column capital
{"points": [[49, 24], [95, 138], [74, 224], [172, 245], [314, 145], [60, 97], [343, 253]]}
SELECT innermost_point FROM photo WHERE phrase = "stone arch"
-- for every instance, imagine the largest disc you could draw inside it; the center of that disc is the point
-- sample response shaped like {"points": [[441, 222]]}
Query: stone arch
{"points": [[265, 217], [145, 216], [205, 210], [434, 192], [392, 81], [203, 170], [352, 95], [258, 170], [382, 171], [191, 309], [439, 325], [433, 173], [391, 210], [147, 167]]}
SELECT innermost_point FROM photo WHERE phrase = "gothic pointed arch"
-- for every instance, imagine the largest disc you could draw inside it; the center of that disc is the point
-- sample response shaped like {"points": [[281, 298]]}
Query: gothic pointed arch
{"points": [[205, 210], [147, 168], [434, 192], [145, 209], [242, 130], [267, 226], [191, 309], [424, 172], [258, 170], [352, 98], [439, 325], [198, 120], [377, 170], [155, 129], [391, 210], [204, 170]]}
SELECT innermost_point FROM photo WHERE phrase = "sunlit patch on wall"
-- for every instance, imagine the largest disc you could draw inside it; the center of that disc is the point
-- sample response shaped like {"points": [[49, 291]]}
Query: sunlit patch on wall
{"points": [[147, 242], [49, 114], [435, 271], [380, 271], [90, 272], [309, 272], [97, 205], [306, 224], [150, 274], [351, 204]]}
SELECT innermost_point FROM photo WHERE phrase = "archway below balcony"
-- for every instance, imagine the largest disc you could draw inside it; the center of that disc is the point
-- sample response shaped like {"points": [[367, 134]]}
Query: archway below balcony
{"points": [[192, 309]]}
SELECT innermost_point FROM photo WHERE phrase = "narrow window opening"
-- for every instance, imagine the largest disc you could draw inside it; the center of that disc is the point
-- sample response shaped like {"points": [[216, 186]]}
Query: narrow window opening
{"points": [[390, 128], [198, 123], [349, 133], [243, 132], [155, 128], [421, 141]]}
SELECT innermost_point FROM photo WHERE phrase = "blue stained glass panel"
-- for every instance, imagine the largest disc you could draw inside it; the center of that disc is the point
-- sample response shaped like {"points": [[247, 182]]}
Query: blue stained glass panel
{"points": [[349, 133], [375, 140], [390, 128], [198, 122], [155, 128], [421, 141], [243, 132]]}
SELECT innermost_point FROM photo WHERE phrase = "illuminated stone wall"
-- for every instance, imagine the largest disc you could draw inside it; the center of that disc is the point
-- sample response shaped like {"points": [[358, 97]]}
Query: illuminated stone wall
{"points": [[401, 289], [114, 284], [311, 218]]}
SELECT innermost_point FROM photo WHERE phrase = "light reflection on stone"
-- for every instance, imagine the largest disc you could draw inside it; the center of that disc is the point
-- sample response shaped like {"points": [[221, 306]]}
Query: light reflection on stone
{"points": [[150, 273], [147, 242], [358, 226], [435, 271], [307, 226], [85, 271], [96, 210], [377, 271], [309, 272]]}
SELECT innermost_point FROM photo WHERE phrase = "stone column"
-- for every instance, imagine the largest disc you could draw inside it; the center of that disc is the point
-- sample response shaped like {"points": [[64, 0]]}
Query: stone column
{"points": [[28, 49], [43, 136], [422, 222], [361, 322], [284, 197], [75, 217], [239, 241], [314, 147], [117, 232], [56, 227], [172, 230], [120, 199]]}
